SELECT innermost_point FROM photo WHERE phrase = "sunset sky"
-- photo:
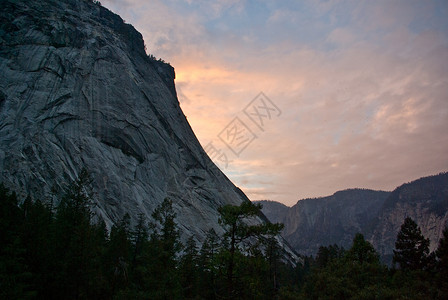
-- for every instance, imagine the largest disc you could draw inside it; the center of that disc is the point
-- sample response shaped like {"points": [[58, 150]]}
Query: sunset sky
{"points": [[358, 90]]}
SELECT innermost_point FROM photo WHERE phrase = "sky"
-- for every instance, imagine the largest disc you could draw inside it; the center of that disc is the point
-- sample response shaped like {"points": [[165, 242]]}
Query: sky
{"points": [[300, 99]]}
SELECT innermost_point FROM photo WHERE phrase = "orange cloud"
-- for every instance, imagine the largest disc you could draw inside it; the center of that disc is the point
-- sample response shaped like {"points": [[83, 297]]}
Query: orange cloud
{"points": [[362, 88]]}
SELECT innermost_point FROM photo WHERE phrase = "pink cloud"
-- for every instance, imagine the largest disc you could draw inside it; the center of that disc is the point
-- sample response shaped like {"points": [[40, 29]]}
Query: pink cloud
{"points": [[366, 106]]}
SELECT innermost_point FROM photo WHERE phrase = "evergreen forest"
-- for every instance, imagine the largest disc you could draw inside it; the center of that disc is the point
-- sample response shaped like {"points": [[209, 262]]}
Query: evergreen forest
{"points": [[63, 252]]}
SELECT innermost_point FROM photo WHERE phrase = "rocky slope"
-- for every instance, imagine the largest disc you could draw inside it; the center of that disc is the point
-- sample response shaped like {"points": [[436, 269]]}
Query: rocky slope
{"points": [[328, 220], [424, 200], [376, 214], [78, 90], [275, 211]]}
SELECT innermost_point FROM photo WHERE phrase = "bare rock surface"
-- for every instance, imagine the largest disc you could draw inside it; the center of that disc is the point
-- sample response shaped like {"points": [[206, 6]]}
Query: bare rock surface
{"points": [[378, 215], [424, 200], [77, 90], [335, 219]]}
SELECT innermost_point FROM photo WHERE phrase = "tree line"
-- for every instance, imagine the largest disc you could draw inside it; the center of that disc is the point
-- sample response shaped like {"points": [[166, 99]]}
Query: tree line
{"points": [[60, 252], [357, 273]]}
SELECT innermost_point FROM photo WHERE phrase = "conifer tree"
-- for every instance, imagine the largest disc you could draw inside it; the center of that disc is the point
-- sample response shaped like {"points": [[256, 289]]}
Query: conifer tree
{"points": [[411, 248], [362, 251], [208, 265], [189, 270], [74, 241], [326, 254], [234, 219], [36, 231], [163, 249], [442, 266], [116, 258], [139, 238], [14, 272]]}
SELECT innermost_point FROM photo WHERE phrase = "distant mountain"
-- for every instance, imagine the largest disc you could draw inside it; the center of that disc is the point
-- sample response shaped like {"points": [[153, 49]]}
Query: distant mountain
{"points": [[377, 214], [328, 220], [275, 211], [425, 200]]}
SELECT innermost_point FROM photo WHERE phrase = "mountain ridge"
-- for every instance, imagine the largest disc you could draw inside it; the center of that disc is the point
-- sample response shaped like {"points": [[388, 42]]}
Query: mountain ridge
{"points": [[337, 223]]}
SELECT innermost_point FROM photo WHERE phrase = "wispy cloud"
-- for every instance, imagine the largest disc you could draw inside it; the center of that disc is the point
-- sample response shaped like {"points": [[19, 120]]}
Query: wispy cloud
{"points": [[363, 86]]}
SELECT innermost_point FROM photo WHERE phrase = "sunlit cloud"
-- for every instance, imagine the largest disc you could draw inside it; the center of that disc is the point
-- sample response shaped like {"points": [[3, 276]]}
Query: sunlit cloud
{"points": [[362, 87]]}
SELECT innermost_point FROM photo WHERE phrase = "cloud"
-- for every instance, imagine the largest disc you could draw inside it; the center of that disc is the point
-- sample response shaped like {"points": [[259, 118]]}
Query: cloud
{"points": [[362, 87], [341, 37]]}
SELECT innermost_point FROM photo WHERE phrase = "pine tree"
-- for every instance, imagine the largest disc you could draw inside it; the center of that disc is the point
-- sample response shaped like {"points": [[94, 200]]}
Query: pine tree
{"points": [[165, 229], [75, 244], [139, 237], [10, 216], [327, 254], [98, 284], [273, 257], [116, 259], [189, 270], [362, 251], [354, 274], [442, 266], [37, 221], [208, 265], [162, 278], [442, 253], [412, 249], [234, 219], [15, 277]]}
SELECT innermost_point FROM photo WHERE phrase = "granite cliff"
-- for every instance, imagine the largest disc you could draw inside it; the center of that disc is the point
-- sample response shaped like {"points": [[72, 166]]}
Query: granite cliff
{"points": [[378, 215], [424, 200], [77, 90], [329, 220], [275, 211]]}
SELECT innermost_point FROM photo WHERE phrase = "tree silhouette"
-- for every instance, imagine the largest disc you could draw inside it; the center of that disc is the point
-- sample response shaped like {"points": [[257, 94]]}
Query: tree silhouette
{"points": [[164, 247], [412, 249], [189, 270], [442, 265], [362, 251], [234, 218]]}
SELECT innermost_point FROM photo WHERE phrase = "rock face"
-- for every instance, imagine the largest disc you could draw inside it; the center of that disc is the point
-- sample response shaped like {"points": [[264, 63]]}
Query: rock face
{"points": [[335, 219], [78, 90], [376, 214], [275, 211], [424, 200]]}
